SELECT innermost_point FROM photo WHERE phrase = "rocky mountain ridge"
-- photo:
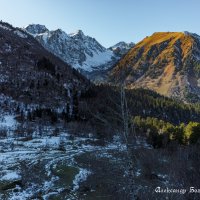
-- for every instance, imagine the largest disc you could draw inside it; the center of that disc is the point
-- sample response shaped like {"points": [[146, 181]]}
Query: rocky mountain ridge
{"points": [[80, 51], [166, 62], [121, 48]]}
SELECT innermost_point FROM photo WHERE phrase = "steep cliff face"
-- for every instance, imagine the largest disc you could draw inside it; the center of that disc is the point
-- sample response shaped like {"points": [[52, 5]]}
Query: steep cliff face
{"points": [[166, 62]]}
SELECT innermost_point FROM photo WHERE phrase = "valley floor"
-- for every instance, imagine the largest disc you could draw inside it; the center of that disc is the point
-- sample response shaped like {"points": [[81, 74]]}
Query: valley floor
{"points": [[47, 167], [67, 167]]}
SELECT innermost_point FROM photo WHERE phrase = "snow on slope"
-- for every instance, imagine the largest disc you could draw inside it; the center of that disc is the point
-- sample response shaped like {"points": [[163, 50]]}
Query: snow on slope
{"points": [[121, 48], [80, 51], [122, 45], [20, 34], [5, 26], [36, 29], [98, 58], [8, 121]]}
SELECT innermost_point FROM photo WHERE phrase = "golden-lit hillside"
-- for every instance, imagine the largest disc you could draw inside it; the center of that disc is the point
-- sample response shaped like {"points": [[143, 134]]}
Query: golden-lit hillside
{"points": [[163, 62]]}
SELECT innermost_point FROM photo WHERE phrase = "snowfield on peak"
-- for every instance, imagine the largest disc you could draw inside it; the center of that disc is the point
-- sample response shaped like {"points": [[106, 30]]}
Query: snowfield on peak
{"points": [[98, 58]]}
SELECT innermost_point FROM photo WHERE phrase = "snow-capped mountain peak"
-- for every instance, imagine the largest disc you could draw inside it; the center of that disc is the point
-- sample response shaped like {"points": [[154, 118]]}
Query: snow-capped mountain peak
{"points": [[59, 35], [78, 33], [36, 29], [121, 48], [81, 51], [123, 45]]}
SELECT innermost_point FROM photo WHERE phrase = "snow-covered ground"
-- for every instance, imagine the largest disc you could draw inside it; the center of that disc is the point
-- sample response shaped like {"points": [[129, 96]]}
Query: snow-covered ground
{"points": [[19, 157], [8, 121], [8, 124], [10, 175]]}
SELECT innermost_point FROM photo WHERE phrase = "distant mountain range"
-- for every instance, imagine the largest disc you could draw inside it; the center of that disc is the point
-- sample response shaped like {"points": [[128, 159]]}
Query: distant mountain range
{"points": [[166, 62], [80, 51]]}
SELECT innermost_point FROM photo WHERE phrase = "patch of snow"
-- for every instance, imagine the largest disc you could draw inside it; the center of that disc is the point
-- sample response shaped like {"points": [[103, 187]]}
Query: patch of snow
{"points": [[3, 78], [8, 121], [22, 195], [80, 177], [138, 172], [52, 142], [7, 48], [20, 34], [5, 27], [78, 32], [96, 60], [10, 176], [45, 36]]}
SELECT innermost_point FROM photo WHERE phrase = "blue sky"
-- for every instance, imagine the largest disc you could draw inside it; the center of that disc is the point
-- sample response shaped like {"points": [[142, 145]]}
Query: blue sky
{"points": [[109, 21]]}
